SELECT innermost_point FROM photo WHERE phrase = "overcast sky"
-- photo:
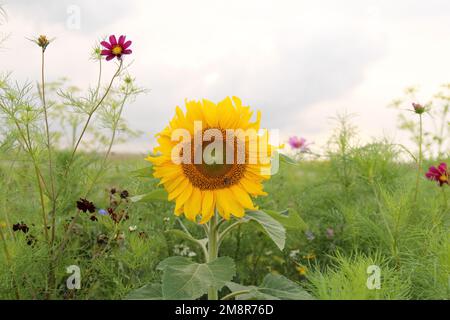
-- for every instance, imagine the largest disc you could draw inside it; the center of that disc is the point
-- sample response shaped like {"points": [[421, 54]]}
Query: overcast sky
{"points": [[299, 62]]}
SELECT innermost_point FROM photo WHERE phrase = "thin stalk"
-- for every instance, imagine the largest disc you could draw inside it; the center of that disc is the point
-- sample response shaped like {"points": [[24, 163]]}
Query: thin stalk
{"points": [[213, 247], [420, 158], [47, 133]]}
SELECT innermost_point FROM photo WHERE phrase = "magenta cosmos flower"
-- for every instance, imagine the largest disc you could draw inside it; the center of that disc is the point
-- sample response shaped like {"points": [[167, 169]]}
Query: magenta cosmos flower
{"points": [[439, 174], [115, 48], [298, 143]]}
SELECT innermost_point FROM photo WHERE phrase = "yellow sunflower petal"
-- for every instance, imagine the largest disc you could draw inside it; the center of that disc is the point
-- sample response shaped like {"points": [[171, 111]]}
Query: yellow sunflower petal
{"points": [[192, 206], [207, 206]]}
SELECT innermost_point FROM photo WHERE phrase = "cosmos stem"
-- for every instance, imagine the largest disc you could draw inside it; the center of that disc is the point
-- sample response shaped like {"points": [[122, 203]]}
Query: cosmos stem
{"points": [[419, 162], [213, 248]]}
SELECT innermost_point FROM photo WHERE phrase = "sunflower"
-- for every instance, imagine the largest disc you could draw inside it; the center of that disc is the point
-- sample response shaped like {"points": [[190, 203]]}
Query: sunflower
{"points": [[227, 181]]}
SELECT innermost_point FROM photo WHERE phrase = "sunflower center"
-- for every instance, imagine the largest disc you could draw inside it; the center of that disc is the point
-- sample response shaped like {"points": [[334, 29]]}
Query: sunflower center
{"points": [[117, 50], [214, 172]]}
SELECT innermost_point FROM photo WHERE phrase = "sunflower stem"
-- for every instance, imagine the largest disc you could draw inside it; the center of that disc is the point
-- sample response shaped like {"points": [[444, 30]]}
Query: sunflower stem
{"points": [[213, 248]]}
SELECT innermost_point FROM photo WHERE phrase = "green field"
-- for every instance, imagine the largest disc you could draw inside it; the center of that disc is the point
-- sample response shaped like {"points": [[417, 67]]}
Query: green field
{"points": [[363, 194]]}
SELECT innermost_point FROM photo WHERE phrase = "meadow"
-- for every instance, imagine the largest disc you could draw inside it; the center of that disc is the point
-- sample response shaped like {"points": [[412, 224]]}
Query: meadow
{"points": [[347, 220], [354, 210]]}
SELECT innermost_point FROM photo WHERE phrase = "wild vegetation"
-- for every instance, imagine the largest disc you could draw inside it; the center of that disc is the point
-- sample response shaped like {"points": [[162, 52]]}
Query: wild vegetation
{"points": [[333, 216]]}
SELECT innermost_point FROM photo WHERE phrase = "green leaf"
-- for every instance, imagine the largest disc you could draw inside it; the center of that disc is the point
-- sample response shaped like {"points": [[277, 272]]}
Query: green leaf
{"points": [[290, 219], [151, 291], [284, 158], [185, 279], [157, 194], [273, 287], [272, 227]]}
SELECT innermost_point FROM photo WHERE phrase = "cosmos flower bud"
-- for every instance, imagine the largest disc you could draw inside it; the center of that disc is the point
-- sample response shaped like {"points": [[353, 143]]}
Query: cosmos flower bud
{"points": [[418, 108], [42, 42]]}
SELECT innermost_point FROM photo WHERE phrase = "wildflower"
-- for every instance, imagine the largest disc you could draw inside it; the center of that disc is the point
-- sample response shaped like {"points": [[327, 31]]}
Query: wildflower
{"points": [[439, 174], [102, 212], [310, 235], [20, 227], [302, 270], [114, 48], [132, 228], [418, 108], [85, 205], [166, 219], [298, 143], [124, 194], [93, 218], [200, 188], [113, 191], [329, 233], [42, 42]]}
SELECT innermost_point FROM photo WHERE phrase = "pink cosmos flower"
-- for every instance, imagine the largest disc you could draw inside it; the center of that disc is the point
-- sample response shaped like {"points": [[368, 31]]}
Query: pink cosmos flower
{"points": [[298, 143], [439, 174], [114, 48]]}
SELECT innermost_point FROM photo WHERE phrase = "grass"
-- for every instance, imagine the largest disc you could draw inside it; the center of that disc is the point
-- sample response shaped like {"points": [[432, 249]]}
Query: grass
{"points": [[370, 210]]}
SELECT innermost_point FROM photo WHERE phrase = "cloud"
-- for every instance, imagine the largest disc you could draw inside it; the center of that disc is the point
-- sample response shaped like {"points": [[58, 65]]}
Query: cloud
{"points": [[297, 61]]}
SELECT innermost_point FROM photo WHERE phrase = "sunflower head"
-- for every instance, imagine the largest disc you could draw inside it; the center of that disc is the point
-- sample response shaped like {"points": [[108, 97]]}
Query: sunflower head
{"points": [[213, 157]]}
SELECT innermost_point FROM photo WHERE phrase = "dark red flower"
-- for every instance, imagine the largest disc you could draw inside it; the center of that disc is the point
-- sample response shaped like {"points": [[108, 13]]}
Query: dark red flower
{"points": [[115, 49], [124, 194], [20, 227], [439, 174], [85, 205]]}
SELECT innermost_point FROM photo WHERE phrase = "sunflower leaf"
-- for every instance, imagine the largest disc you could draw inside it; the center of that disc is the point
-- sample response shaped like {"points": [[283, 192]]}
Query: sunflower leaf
{"points": [[273, 287], [151, 291], [157, 194], [290, 219], [272, 227], [185, 279]]}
